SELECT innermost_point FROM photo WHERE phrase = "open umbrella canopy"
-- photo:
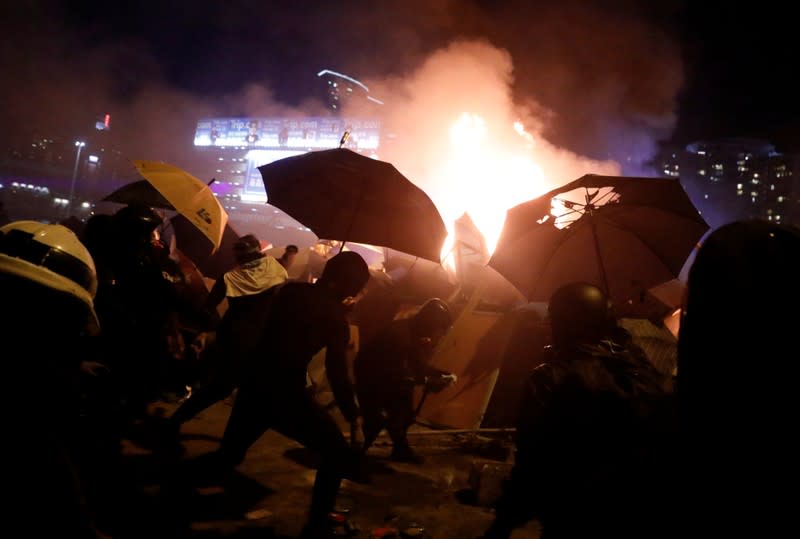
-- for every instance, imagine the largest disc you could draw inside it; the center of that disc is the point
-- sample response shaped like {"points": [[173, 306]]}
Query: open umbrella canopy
{"points": [[343, 195], [194, 245], [176, 189], [659, 345], [139, 192], [624, 235]]}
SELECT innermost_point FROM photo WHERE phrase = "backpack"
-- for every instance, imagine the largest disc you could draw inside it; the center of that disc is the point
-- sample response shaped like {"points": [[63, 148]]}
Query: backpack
{"points": [[609, 397], [595, 442]]}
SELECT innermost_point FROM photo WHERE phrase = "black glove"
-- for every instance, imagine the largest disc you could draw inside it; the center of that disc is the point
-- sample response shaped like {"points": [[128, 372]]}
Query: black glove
{"points": [[437, 383]]}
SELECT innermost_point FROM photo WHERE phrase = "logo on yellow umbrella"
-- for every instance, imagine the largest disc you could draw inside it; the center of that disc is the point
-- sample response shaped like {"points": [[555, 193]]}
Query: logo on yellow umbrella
{"points": [[204, 215]]}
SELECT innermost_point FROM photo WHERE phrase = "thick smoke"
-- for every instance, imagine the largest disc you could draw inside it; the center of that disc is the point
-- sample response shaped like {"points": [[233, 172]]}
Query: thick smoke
{"points": [[597, 81], [477, 78]]}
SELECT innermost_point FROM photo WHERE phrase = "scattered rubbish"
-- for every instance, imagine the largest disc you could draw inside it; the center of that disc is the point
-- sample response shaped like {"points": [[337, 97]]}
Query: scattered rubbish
{"points": [[351, 528], [486, 480], [342, 526], [344, 504], [338, 518], [413, 530], [258, 514]]}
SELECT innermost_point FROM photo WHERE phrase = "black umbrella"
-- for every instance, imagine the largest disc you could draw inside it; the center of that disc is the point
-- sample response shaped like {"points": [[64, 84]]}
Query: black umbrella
{"points": [[622, 234], [139, 192], [343, 195]]}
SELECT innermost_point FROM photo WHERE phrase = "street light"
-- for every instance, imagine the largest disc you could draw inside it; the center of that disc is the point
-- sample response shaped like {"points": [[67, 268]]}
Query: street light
{"points": [[78, 144]]}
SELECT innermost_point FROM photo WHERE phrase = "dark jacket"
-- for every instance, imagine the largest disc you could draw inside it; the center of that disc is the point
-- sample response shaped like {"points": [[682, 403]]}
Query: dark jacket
{"points": [[591, 444], [392, 356], [304, 319]]}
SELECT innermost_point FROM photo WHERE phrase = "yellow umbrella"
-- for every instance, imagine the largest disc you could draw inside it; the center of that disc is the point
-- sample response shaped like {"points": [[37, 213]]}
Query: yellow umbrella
{"points": [[190, 197]]}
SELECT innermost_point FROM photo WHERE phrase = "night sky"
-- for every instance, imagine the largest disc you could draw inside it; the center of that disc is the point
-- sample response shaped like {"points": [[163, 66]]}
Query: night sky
{"points": [[601, 74], [740, 61]]}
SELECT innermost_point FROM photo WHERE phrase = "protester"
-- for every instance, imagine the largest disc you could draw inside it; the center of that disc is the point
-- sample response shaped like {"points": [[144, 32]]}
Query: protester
{"points": [[388, 367], [304, 319], [138, 305], [249, 289], [288, 256], [591, 435], [48, 281], [736, 382]]}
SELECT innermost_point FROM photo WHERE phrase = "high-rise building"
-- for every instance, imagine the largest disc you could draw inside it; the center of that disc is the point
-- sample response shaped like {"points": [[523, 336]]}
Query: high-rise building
{"points": [[737, 178], [794, 200]]}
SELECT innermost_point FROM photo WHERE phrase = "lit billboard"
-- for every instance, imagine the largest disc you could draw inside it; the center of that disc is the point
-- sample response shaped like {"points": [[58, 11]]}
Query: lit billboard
{"points": [[287, 133]]}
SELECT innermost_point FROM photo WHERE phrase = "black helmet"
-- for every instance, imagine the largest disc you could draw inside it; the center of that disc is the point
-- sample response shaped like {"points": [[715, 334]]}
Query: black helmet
{"points": [[247, 248], [137, 221], [346, 273], [433, 316], [578, 311]]}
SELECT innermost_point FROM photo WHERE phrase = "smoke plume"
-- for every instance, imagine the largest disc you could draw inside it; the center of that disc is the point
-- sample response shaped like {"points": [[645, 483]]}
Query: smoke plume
{"points": [[591, 84]]}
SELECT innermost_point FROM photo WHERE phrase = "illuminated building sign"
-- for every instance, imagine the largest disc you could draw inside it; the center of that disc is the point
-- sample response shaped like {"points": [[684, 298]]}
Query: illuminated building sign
{"points": [[287, 133]]}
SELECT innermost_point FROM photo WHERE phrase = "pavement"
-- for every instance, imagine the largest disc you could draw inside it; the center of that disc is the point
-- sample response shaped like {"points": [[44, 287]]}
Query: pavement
{"points": [[269, 494]]}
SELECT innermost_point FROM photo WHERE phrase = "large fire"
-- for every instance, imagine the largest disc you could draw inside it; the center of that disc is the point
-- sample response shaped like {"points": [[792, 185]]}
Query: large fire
{"points": [[486, 177]]}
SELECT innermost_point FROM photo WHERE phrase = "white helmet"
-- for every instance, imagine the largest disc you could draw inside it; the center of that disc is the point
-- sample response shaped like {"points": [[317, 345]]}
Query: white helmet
{"points": [[52, 256]]}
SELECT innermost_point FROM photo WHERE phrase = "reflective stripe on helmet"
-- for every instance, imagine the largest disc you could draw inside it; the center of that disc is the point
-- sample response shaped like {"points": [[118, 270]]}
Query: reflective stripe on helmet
{"points": [[22, 245]]}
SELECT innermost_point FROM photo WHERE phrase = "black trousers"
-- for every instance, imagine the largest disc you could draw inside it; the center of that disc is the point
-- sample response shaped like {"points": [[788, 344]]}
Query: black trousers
{"points": [[223, 357], [295, 414], [388, 406]]}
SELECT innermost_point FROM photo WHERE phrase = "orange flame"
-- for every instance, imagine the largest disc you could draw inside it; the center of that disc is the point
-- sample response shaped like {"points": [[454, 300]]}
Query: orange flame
{"points": [[484, 177]]}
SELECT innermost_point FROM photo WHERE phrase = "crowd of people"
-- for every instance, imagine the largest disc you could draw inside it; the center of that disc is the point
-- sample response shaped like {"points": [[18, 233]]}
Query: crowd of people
{"points": [[605, 445]]}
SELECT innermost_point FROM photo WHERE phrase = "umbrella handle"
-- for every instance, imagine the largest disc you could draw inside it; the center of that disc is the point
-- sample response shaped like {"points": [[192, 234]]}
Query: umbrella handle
{"points": [[357, 208], [345, 137], [602, 266], [421, 402]]}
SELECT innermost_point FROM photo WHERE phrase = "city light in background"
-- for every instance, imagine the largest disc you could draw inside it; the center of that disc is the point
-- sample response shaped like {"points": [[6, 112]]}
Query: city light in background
{"points": [[79, 144]]}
